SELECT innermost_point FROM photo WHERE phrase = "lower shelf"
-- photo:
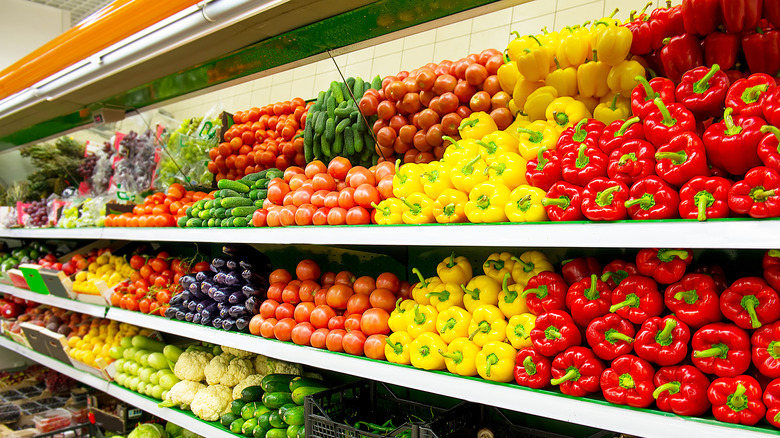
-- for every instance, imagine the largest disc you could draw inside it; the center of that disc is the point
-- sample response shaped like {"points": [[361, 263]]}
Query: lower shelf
{"points": [[53, 300]]}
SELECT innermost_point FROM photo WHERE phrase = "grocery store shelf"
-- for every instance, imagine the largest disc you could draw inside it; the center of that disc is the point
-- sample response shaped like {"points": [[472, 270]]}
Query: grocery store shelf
{"points": [[727, 234], [63, 303]]}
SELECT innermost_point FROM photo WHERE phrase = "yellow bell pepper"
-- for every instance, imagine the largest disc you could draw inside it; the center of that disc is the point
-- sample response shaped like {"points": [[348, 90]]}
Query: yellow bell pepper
{"points": [[528, 265], [453, 323], [566, 112], [525, 205], [460, 150], [435, 179], [508, 75], [536, 135], [610, 20], [388, 212], [417, 208], [397, 348], [574, 47], [621, 77], [449, 207], [612, 109], [509, 300], [521, 121], [523, 89], [454, 269], [590, 102], [477, 125], [518, 330], [480, 290], [534, 62], [597, 28], [592, 77], [397, 320], [564, 80], [516, 47], [486, 203], [468, 173], [507, 169], [497, 143], [613, 44], [424, 352], [498, 265], [445, 295], [407, 179], [422, 287], [461, 357], [421, 319], [487, 325], [496, 362], [538, 101]]}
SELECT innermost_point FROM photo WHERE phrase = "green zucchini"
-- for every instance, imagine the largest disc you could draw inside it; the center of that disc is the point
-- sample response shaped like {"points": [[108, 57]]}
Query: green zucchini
{"points": [[194, 222], [277, 433], [277, 382], [300, 393], [252, 393], [236, 425], [275, 400], [264, 419], [294, 416], [228, 418], [248, 427], [233, 185], [301, 381], [293, 431], [248, 410], [260, 431], [276, 420], [235, 407], [235, 201]]}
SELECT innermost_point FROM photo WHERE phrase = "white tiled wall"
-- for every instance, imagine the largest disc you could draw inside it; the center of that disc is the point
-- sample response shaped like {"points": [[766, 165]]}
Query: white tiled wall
{"points": [[448, 41]]}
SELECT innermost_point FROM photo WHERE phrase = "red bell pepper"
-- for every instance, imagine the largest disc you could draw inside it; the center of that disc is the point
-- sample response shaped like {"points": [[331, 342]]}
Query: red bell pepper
{"points": [[532, 370], [579, 166], [701, 17], [703, 91], [586, 132], [544, 170], [637, 299], [629, 381], [554, 332], [579, 268], [758, 194], [679, 54], [666, 266], [771, 265], [576, 371], [769, 146], [646, 33], [739, 15], [721, 349], [716, 273], [610, 336], [771, 108], [694, 300], [666, 122], [663, 341], [772, 401], [765, 344], [604, 200], [644, 95], [722, 49], [737, 400], [619, 132], [732, 145], [762, 48], [746, 96], [632, 161], [705, 197], [545, 292], [682, 390], [750, 303], [563, 202], [652, 198], [772, 12], [616, 271], [683, 158], [672, 16], [587, 299]]}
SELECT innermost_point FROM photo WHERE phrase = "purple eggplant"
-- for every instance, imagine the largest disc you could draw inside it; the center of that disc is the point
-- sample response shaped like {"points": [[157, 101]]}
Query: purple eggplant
{"points": [[233, 278], [223, 313], [252, 305], [178, 298], [170, 312], [203, 304], [242, 323], [231, 264], [180, 315], [218, 262], [236, 311], [192, 305], [228, 324], [196, 318], [186, 280], [205, 320], [216, 322], [204, 275], [188, 316], [255, 279], [209, 312], [236, 297]]}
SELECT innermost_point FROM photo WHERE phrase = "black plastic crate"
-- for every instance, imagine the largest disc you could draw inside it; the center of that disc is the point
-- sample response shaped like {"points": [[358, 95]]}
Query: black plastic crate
{"points": [[332, 413]]}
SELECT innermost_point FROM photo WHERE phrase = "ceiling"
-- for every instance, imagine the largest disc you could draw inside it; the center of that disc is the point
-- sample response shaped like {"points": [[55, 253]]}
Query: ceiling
{"points": [[79, 9]]}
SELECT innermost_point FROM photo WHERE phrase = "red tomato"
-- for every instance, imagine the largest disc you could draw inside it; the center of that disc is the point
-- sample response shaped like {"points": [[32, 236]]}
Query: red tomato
{"points": [[364, 285], [374, 322], [302, 196], [331, 200], [337, 322], [405, 290], [314, 168], [360, 175], [320, 217], [259, 218], [383, 299], [255, 323], [328, 279], [337, 216], [283, 329], [353, 342], [303, 312], [277, 191], [275, 291], [374, 348], [323, 181], [285, 310], [304, 215], [290, 294], [338, 295], [357, 304], [347, 198], [334, 339], [339, 167], [321, 297], [358, 216], [201, 266], [143, 305], [318, 338], [287, 215], [318, 198], [292, 171], [268, 308], [307, 270], [321, 315], [137, 261], [267, 328], [345, 277], [365, 195], [280, 276], [307, 290], [388, 280], [301, 333], [158, 264], [352, 322]]}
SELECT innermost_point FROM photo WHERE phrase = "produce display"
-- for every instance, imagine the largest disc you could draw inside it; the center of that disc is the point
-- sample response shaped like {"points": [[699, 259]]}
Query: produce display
{"points": [[158, 209], [135, 163], [96, 169], [141, 365], [182, 161], [37, 214], [106, 268]]}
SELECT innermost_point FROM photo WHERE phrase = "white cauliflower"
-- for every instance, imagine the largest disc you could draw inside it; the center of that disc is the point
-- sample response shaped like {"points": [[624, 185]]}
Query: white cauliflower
{"points": [[236, 352], [250, 380], [227, 370], [191, 364], [266, 365], [212, 402], [182, 393]]}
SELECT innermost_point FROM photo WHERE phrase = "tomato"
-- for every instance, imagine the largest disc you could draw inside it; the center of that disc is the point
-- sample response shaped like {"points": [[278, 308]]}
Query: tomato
{"points": [[320, 297], [277, 191], [388, 280], [345, 277], [383, 299], [283, 329], [334, 339], [385, 187], [374, 322], [360, 175], [285, 310], [358, 216], [301, 333], [307, 290], [292, 171], [374, 347], [259, 218], [318, 198], [328, 279], [338, 168], [384, 169], [405, 290], [307, 270], [137, 261], [275, 291], [321, 315], [357, 304], [131, 302], [267, 328], [352, 322], [201, 266], [290, 294], [337, 216], [158, 264], [163, 296], [364, 285], [280, 276], [161, 281], [323, 181], [320, 217], [116, 298], [255, 323], [331, 199], [318, 338], [287, 215], [338, 295], [268, 308], [475, 74], [347, 198], [145, 271], [314, 168], [142, 285], [353, 342], [337, 322], [303, 312]]}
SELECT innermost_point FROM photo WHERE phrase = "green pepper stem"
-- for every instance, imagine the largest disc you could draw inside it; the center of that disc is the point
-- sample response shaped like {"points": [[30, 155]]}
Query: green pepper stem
{"points": [[760, 195], [592, 293], [449, 325], [677, 158], [533, 136], [541, 161], [455, 356], [398, 304], [468, 169], [731, 128], [451, 263], [563, 202], [701, 204], [650, 93], [483, 327], [397, 347], [667, 255], [509, 295], [442, 296], [490, 360], [774, 253], [449, 139], [468, 124], [536, 39], [571, 374], [606, 196], [557, 64], [472, 293], [646, 6], [773, 129], [664, 337], [612, 15], [668, 120], [423, 283], [415, 209], [500, 168], [582, 159], [540, 291], [627, 124], [645, 202], [419, 317], [632, 300], [561, 118], [752, 94], [524, 203], [689, 296], [612, 336], [613, 107], [515, 33], [449, 209], [632, 15], [749, 303], [494, 264], [579, 132], [385, 210], [703, 84], [529, 365], [672, 387], [491, 147], [717, 350], [527, 267], [625, 158], [738, 399]]}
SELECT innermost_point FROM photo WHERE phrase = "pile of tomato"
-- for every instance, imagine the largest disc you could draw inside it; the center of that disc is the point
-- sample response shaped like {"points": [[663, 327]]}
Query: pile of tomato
{"points": [[159, 209], [328, 310]]}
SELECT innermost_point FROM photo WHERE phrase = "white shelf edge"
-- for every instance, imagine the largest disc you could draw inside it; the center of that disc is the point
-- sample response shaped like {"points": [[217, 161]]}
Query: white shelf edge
{"points": [[52, 300], [588, 413], [729, 234]]}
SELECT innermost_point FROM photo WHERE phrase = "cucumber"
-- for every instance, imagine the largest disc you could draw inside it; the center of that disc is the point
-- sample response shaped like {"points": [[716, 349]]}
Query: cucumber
{"points": [[331, 107], [359, 88], [319, 125], [253, 195], [194, 222], [276, 420], [301, 432], [253, 176], [233, 185], [277, 433], [252, 393], [376, 83], [182, 222], [264, 419], [294, 416], [260, 431], [274, 173], [286, 408], [259, 203], [277, 382], [210, 223], [342, 125], [349, 142], [236, 406], [338, 143], [300, 393], [204, 214], [300, 381], [228, 418], [357, 138], [241, 221], [236, 425], [344, 89], [317, 147], [325, 147], [243, 211], [263, 409], [330, 129], [218, 222], [248, 427], [235, 201], [248, 410], [350, 82], [343, 113], [262, 183], [320, 99], [275, 400], [228, 193], [337, 92], [293, 431], [208, 205]]}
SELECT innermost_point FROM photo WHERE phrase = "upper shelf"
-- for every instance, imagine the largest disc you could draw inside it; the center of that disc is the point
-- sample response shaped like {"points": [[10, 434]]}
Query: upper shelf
{"points": [[728, 234]]}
